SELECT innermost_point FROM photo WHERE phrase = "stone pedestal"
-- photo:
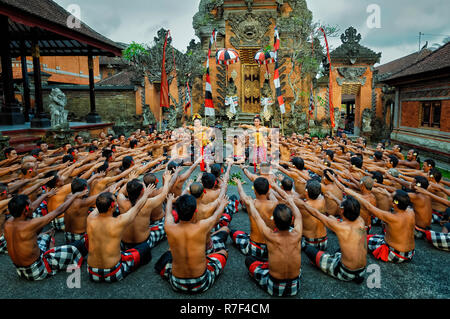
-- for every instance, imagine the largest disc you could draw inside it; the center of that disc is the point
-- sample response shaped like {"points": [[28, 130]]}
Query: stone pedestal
{"points": [[59, 137], [93, 118]]}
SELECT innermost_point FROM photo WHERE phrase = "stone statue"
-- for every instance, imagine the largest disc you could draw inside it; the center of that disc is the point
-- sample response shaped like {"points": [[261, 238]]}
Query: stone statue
{"points": [[367, 120], [58, 114], [338, 121], [148, 116], [231, 99], [266, 102]]}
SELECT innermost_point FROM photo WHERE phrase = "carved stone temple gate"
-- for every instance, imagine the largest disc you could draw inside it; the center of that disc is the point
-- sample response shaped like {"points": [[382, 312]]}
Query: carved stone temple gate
{"points": [[247, 27], [353, 75]]}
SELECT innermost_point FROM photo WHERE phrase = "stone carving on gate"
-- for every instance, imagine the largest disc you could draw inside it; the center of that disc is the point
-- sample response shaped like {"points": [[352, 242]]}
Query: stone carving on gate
{"points": [[351, 75], [231, 99], [367, 116], [266, 102], [250, 29]]}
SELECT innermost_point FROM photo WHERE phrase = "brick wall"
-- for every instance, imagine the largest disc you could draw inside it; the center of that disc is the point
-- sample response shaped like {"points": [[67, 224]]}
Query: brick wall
{"points": [[445, 116], [410, 113]]}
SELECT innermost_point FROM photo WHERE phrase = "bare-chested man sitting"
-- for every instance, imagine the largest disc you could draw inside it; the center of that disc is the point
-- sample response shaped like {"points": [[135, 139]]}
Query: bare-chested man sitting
{"points": [[421, 203], [350, 263], [217, 238], [314, 232], [328, 186], [106, 261], [254, 244], [140, 231], [186, 266], [75, 217], [280, 275], [398, 244], [30, 251]]}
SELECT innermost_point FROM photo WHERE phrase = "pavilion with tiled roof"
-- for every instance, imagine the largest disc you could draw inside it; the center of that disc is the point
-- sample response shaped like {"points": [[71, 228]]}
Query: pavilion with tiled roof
{"points": [[40, 28]]}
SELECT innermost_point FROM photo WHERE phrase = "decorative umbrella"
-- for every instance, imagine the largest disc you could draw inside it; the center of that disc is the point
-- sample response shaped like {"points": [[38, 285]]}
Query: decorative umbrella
{"points": [[264, 57], [227, 57]]}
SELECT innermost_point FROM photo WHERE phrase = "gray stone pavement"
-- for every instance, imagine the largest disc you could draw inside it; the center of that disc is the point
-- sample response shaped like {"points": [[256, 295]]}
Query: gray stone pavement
{"points": [[426, 277]]}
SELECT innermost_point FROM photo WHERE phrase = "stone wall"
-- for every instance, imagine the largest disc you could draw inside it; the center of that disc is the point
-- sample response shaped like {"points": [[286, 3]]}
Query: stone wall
{"points": [[111, 105]]}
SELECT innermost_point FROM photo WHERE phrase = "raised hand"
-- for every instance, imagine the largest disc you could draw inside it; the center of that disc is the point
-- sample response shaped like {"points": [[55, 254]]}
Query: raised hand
{"points": [[224, 200], [133, 174], [167, 176], [435, 187], [170, 198]]}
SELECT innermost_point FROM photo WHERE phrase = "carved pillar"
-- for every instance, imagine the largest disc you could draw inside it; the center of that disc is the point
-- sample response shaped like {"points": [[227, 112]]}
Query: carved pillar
{"points": [[41, 119], [25, 84]]}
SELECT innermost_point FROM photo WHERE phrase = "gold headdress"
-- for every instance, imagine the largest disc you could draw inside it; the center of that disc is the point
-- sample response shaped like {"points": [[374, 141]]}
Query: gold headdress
{"points": [[196, 117]]}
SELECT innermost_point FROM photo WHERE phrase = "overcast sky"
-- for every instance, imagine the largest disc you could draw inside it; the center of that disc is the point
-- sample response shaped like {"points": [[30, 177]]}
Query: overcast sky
{"points": [[401, 21]]}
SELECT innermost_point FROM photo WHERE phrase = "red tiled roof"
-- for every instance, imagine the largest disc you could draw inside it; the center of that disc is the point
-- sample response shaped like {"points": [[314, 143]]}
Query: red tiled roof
{"points": [[437, 60], [51, 17]]}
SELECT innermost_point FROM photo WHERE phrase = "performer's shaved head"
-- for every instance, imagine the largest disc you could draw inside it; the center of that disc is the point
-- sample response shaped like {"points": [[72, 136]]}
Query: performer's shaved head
{"points": [[196, 189]]}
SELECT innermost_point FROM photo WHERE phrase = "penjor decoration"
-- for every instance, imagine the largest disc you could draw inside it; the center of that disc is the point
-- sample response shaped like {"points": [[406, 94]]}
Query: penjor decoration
{"points": [[276, 78], [209, 104], [330, 92]]}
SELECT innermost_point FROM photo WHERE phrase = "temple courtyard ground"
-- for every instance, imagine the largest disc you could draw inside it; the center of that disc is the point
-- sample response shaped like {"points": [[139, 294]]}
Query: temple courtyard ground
{"points": [[426, 277]]}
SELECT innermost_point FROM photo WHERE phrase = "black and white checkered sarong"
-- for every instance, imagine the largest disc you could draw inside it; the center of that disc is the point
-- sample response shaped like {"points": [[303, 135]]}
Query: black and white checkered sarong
{"points": [[227, 216], [248, 247], [3, 246], [259, 271], [439, 240], [130, 260], [332, 266], [71, 237], [319, 243], [218, 242], [378, 247], [215, 263], [51, 261], [157, 234]]}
